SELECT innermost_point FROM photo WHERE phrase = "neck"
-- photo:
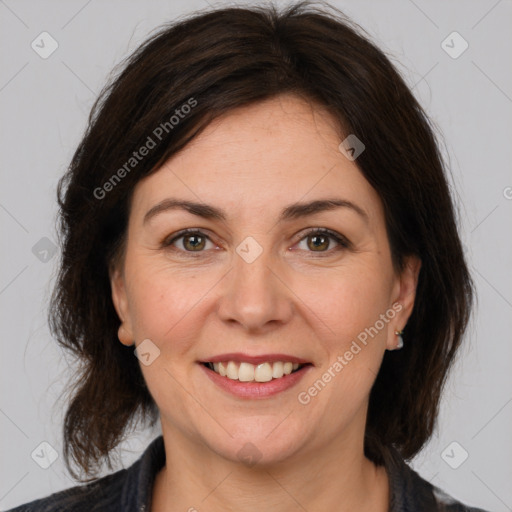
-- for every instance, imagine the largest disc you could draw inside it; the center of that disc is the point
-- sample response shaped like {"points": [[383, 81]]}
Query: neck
{"points": [[335, 477]]}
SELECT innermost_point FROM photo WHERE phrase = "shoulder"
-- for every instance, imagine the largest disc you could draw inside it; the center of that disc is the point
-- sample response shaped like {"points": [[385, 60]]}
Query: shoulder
{"points": [[98, 496], [127, 490], [449, 504], [409, 492]]}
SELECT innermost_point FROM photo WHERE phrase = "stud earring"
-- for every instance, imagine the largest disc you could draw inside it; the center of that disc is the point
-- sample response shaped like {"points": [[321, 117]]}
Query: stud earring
{"points": [[400, 343], [123, 338]]}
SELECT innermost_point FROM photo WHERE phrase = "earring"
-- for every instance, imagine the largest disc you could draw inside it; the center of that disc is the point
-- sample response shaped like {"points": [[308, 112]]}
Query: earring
{"points": [[123, 338], [400, 343]]}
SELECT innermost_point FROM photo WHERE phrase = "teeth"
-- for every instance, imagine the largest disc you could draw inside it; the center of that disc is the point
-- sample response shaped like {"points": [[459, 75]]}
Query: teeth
{"points": [[247, 372], [232, 370], [277, 370], [263, 372]]}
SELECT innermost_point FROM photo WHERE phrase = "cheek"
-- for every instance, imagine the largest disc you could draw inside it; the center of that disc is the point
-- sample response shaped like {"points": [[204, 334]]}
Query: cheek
{"points": [[347, 313], [167, 307], [346, 302], [165, 303]]}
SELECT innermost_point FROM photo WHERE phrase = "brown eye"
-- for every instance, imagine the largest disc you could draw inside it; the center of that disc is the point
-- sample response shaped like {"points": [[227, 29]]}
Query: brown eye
{"points": [[192, 241], [319, 240]]}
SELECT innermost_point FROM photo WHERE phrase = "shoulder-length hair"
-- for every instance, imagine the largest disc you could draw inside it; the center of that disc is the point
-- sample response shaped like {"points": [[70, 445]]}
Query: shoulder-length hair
{"points": [[214, 62]]}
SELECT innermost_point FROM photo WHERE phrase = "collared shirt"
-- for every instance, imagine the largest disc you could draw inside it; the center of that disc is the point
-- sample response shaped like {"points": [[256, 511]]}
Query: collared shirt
{"points": [[130, 489]]}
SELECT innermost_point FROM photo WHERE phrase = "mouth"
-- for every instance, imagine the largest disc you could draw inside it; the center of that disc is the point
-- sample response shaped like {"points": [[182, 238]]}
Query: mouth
{"points": [[248, 372], [255, 377]]}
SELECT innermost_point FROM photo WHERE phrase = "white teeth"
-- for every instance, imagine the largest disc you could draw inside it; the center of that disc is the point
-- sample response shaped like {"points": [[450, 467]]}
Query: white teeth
{"points": [[232, 370], [277, 370], [263, 372], [247, 372]]}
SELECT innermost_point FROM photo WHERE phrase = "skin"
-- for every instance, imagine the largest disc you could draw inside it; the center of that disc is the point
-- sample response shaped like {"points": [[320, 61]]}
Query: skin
{"points": [[294, 298]]}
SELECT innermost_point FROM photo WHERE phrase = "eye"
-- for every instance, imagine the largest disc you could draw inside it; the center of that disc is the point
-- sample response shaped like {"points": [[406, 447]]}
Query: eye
{"points": [[318, 240], [191, 241]]}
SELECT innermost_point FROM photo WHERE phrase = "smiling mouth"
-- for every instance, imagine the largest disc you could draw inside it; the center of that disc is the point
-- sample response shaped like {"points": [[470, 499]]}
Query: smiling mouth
{"points": [[247, 372]]}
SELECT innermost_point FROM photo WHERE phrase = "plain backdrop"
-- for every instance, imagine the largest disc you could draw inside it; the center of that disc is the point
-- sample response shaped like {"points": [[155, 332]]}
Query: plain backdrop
{"points": [[44, 106]]}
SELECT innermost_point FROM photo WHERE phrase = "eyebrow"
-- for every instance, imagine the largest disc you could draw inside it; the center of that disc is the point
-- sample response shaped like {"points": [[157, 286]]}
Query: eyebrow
{"points": [[291, 212]]}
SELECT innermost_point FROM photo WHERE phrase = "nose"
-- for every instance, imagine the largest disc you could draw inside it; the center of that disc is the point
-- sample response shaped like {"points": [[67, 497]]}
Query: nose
{"points": [[255, 295]]}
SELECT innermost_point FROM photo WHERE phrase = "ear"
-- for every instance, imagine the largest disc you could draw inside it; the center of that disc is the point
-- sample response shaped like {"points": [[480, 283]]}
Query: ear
{"points": [[404, 295], [120, 300]]}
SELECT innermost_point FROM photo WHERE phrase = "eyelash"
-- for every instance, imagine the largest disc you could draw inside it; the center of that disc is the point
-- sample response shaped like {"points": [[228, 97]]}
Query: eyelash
{"points": [[340, 239]]}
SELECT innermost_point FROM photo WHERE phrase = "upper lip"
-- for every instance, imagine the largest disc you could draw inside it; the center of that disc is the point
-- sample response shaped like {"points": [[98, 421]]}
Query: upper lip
{"points": [[264, 358]]}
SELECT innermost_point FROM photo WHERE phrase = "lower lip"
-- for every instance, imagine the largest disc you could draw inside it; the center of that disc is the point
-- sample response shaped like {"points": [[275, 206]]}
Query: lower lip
{"points": [[256, 390]]}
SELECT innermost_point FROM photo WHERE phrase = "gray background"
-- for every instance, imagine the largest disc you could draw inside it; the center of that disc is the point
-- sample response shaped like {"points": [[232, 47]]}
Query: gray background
{"points": [[44, 106]]}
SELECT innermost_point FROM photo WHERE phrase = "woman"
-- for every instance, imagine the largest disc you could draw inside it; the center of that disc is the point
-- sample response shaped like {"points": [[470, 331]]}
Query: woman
{"points": [[259, 212]]}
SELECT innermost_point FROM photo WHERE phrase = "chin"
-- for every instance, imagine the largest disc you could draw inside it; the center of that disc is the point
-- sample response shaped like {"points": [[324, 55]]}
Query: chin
{"points": [[259, 441]]}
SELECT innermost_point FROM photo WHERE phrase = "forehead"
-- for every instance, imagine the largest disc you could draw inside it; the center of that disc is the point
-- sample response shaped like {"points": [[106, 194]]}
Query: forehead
{"points": [[262, 156]]}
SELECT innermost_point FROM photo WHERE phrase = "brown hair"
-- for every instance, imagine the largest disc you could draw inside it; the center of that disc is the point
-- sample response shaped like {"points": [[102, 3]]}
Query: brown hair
{"points": [[223, 59]]}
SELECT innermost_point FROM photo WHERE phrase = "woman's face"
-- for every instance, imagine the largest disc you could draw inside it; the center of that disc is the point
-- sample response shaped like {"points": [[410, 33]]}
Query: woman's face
{"points": [[257, 287]]}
